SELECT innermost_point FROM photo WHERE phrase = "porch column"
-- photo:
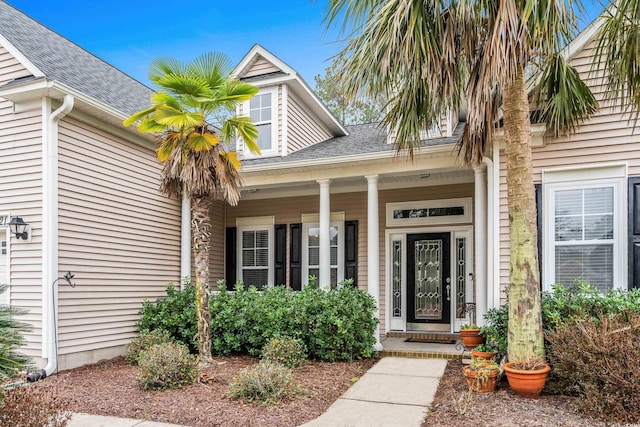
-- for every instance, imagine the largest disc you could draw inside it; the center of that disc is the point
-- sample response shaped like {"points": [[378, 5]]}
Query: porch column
{"points": [[185, 238], [373, 249], [324, 279], [480, 227]]}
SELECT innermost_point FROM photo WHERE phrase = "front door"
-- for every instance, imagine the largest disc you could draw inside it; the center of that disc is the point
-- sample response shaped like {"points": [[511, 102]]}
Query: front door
{"points": [[428, 281]]}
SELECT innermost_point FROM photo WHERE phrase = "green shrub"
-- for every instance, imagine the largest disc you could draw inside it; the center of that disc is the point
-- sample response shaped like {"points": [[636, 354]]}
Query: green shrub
{"points": [[32, 407], [267, 382], [143, 342], [286, 351], [166, 365], [11, 360], [597, 360], [334, 325], [175, 314]]}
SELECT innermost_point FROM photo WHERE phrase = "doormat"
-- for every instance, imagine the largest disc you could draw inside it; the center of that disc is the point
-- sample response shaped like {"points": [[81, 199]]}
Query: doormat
{"points": [[431, 340]]}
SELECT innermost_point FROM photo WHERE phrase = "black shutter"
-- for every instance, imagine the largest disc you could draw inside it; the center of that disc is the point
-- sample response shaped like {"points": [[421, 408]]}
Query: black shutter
{"points": [[634, 232], [230, 255], [351, 251], [538, 188], [295, 257], [281, 254]]}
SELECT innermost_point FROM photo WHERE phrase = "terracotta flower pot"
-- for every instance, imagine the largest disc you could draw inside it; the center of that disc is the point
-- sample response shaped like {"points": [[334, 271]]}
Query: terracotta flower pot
{"points": [[481, 382], [482, 355], [526, 383], [471, 337]]}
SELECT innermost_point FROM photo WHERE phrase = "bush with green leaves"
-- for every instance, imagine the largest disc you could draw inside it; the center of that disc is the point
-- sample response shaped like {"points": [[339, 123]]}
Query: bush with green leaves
{"points": [[333, 325], [175, 314], [143, 342], [266, 382], [286, 351], [597, 360], [166, 365], [560, 306], [11, 330]]}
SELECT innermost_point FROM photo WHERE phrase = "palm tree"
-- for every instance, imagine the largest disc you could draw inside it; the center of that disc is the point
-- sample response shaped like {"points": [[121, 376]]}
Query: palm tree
{"points": [[428, 57], [192, 149]]}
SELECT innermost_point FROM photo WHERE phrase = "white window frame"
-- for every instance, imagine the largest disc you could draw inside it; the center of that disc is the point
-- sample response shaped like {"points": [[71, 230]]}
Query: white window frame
{"points": [[256, 224], [305, 250], [427, 204], [612, 176], [273, 151]]}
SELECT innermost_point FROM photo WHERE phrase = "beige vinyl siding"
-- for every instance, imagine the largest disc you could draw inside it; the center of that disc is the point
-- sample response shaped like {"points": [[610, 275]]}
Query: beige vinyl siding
{"points": [[117, 234], [21, 195], [609, 136], [259, 67], [10, 67], [303, 128], [354, 205]]}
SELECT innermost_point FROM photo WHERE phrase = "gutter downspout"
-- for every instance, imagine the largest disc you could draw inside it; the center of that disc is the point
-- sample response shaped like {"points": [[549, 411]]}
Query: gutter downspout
{"points": [[50, 230]]}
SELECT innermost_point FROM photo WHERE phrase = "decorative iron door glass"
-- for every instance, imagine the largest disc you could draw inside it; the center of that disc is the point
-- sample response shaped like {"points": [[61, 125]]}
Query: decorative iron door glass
{"points": [[428, 281]]}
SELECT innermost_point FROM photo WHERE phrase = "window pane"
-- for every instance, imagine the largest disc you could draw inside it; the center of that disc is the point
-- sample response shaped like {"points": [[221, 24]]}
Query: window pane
{"points": [[334, 235], [265, 114], [262, 239], [314, 272], [256, 277], [264, 136], [598, 227], [255, 102], [568, 228], [248, 258], [334, 255], [255, 115], [314, 236], [248, 239], [592, 264], [266, 100], [569, 202], [314, 256], [598, 200], [334, 277], [262, 257]]}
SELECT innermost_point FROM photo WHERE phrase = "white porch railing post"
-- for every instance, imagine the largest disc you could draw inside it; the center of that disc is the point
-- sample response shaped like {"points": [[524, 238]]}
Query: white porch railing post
{"points": [[373, 249]]}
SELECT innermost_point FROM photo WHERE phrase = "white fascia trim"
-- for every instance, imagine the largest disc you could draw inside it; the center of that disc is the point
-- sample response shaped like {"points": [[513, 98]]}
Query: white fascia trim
{"points": [[344, 159], [259, 50], [20, 57]]}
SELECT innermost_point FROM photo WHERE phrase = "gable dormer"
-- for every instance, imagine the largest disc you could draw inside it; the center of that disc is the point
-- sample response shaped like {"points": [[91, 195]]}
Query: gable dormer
{"points": [[288, 114]]}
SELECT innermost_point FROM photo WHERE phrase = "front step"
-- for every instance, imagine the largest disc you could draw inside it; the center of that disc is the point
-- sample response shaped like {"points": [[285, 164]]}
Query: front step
{"points": [[395, 346]]}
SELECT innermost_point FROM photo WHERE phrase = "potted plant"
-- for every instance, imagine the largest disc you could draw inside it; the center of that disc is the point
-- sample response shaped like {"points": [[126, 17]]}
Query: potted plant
{"points": [[482, 375], [527, 378], [483, 351], [470, 335]]}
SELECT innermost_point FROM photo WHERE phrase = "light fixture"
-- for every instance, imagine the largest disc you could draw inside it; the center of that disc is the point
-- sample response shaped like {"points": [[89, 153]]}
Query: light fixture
{"points": [[19, 228]]}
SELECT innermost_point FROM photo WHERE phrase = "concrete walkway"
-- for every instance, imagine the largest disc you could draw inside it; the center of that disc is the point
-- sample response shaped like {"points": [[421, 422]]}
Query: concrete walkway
{"points": [[396, 391]]}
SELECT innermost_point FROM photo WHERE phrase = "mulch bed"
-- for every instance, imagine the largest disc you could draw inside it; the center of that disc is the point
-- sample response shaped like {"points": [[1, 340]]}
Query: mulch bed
{"points": [[455, 406], [110, 388]]}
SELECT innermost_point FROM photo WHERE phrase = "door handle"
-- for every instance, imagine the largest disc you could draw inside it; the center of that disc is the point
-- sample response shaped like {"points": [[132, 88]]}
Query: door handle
{"points": [[448, 287]]}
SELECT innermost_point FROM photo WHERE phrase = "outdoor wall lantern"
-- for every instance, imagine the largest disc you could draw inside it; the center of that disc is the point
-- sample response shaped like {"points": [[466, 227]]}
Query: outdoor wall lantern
{"points": [[19, 228]]}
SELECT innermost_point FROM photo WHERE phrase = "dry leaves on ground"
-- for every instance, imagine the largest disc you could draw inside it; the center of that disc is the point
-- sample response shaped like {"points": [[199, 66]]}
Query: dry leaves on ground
{"points": [[110, 388]]}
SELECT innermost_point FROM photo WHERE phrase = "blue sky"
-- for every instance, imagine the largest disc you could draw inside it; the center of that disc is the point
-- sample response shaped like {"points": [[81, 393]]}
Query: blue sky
{"points": [[129, 34]]}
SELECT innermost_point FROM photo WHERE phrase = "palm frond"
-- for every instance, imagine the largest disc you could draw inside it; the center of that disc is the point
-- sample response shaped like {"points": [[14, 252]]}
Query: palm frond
{"points": [[160, 67], [202, 141], [244, 128], [213, 67], [564, 99]]}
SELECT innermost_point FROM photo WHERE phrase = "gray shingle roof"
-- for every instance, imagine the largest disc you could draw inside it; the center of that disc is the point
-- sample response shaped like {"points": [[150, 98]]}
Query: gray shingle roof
{"points": [[64, 61], [362, 139]]}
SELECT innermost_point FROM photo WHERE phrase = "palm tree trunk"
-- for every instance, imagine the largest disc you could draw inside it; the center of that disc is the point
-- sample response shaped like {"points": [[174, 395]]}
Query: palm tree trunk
{"points": [[201, 232], [526, 341]]}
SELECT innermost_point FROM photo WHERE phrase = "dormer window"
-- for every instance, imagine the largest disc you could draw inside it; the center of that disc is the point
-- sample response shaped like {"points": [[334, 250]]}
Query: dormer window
{"points": [[262, 109]]}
